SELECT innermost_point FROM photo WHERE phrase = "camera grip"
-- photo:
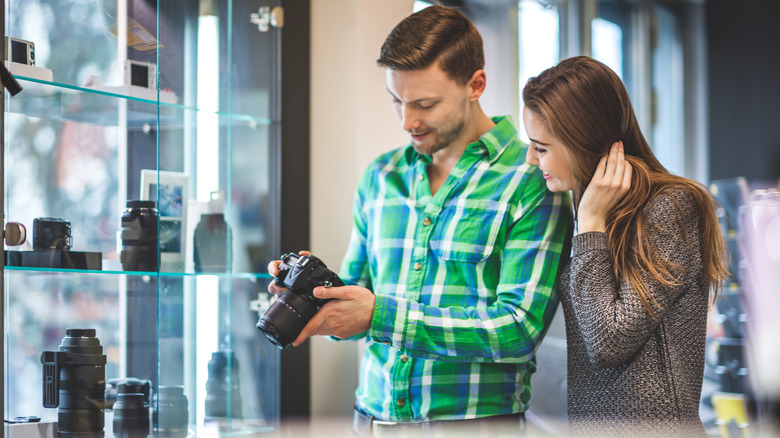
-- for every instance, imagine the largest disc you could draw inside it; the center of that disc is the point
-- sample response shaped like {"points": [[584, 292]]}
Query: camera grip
{"points": [[51, 379]]}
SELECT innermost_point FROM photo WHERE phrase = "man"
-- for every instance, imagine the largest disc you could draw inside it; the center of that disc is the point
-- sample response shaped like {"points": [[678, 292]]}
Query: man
{"points": [[455, 248]]}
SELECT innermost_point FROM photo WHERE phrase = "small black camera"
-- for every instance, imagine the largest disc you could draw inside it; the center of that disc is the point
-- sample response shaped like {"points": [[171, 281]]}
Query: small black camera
{"points": [[293, 309], [51, 233]]}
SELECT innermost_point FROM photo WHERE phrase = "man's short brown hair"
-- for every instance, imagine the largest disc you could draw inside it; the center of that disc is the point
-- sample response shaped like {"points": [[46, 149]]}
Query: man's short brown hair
{"points": [[436, 33]]}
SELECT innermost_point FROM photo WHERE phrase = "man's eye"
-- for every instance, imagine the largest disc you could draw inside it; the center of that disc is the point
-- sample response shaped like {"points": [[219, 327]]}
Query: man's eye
{"points": [[427, 105]]}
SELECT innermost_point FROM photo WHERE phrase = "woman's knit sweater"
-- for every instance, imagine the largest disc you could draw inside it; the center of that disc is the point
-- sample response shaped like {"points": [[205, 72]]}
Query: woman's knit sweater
{"points": [[628, 373]]}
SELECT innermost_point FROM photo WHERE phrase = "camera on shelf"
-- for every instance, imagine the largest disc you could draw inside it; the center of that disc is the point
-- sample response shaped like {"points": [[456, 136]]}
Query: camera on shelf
{"points": [[51, 233], [141, 74], [294, 307], [20, 51], [52, 245]]}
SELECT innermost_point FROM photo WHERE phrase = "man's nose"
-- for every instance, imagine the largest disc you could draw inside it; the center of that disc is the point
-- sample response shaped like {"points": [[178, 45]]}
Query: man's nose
{"points": [[409, 119]]}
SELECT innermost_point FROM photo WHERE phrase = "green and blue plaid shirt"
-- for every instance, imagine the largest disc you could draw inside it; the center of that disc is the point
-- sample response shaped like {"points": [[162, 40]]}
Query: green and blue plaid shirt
{"points": [[464, 280]]}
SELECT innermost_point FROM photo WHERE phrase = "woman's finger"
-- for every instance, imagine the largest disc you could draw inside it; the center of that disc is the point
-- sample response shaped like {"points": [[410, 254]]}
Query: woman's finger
{"points": [[614, 166], [601, 168], [627, 177]]}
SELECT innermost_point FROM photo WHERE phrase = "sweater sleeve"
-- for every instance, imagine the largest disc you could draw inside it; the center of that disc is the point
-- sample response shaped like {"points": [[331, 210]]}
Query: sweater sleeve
{"points": [[608, 312]]}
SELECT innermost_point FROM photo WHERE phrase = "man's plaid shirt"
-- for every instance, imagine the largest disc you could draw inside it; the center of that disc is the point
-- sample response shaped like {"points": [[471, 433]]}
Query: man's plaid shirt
{"points": [[464, 280]]}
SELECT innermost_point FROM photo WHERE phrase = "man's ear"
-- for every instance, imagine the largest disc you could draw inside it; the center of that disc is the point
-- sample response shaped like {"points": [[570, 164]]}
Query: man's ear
{"points": [[477, 84]]}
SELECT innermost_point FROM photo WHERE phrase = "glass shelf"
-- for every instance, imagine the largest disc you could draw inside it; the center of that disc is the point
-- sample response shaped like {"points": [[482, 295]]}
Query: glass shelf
{"points": [[227, 275], [99, 106]]}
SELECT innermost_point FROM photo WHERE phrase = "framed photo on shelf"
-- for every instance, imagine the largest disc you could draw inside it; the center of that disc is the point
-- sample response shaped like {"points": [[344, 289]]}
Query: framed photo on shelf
{"points": [[169, 191]]}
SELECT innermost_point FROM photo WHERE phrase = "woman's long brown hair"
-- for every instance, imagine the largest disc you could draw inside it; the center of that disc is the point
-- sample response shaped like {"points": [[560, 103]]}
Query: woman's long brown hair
{"points": [[587, 108]]}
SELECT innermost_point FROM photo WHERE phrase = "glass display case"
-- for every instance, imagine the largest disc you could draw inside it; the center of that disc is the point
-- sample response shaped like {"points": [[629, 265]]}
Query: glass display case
{"points": [[142, 157]]}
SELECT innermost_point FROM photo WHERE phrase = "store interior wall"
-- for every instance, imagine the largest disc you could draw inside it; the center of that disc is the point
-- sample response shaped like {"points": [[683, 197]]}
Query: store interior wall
{"points": [[352, 122]]}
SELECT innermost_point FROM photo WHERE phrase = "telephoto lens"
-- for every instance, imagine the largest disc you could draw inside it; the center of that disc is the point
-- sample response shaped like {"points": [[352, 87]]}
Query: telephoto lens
{"points": [[131, 415], [170, 416], [140, 223], [223, 398], [74, 379]]}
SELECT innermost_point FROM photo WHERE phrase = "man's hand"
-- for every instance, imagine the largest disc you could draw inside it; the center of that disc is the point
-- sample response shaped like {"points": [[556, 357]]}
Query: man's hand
{"points": [[273, 270], [348, 314]]}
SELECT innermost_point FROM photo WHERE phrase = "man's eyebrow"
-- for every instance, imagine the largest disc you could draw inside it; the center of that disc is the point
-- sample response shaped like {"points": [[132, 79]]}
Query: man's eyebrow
{"points": [[414, 101]]}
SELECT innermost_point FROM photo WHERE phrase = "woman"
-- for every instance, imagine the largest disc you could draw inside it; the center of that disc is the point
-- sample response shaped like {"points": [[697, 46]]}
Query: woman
{"points": [[647, 253]]}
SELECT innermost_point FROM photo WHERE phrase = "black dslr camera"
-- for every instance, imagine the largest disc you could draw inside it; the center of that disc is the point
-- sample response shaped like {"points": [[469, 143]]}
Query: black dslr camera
{"points": [[293, 309]]}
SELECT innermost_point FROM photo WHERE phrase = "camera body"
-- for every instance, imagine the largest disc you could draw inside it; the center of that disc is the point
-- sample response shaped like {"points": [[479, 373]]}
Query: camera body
{"points": [[293, 309], [51, 233], [304, 273], [20, 51], [141, 74]]}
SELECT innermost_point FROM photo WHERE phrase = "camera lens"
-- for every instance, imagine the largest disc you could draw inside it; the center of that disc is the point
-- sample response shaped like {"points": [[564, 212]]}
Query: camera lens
{"points": [[126, 385], [78, 370], [170, 412], [140, 224], [131, 416], [223, 397], [287, 317]]}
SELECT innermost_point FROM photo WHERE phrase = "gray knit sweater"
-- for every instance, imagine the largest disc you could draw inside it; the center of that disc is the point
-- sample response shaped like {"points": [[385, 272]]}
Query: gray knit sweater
{"points": [[628, 373]]}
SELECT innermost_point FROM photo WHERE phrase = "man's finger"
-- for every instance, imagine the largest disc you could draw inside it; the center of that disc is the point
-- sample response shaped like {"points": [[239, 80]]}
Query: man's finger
{"points": [[273, 268], [274, 289], [325, 293], [311, 329]]}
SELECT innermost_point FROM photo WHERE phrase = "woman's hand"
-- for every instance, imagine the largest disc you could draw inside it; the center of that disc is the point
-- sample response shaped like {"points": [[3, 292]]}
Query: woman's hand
{"points": [[607, 187]]}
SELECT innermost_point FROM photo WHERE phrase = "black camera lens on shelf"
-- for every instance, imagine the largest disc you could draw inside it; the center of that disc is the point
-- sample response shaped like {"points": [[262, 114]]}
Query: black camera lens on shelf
{"points": [[293, 309], [140, 237], [131, 415], [74, 379], [223, 397], [122, 385], [170, 416]]}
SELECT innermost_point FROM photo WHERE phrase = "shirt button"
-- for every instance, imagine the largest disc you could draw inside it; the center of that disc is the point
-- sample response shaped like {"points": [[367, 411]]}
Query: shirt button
{"points": [[427, 221], [404, 358], [400, 402], [388, 343], [420, 176], [417, 266]]}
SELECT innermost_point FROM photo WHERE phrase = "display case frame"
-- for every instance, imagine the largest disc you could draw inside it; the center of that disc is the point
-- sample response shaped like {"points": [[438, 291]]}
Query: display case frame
{"points": [[254, 277]]}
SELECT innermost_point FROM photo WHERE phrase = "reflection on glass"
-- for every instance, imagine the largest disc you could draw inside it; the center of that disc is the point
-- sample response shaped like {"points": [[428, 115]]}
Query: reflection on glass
{"points": [[607, 44], [668, 130], [538, 42]]}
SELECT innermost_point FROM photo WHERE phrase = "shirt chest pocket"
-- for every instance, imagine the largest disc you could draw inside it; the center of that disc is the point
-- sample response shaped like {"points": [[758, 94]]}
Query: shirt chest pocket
{"points": [[467, 231]]}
